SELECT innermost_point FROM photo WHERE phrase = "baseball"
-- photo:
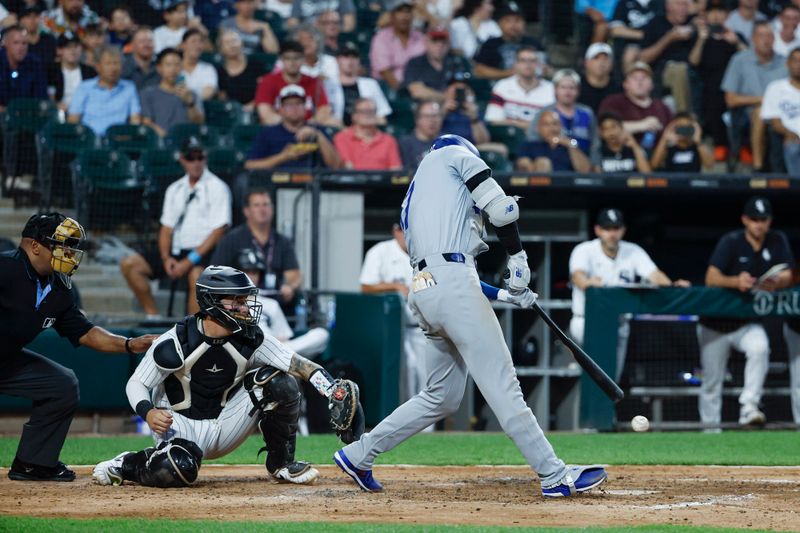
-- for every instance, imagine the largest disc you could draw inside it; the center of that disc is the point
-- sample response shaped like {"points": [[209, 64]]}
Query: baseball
{"points": [[640, 423]]}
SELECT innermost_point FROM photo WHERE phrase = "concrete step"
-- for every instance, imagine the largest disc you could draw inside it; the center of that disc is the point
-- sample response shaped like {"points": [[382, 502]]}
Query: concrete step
{"points": [[98, 280], [106, 299], [11, 215]]}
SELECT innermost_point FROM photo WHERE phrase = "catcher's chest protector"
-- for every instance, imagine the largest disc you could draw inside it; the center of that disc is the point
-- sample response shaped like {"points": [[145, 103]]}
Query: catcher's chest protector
{"points": [[212, 370]]}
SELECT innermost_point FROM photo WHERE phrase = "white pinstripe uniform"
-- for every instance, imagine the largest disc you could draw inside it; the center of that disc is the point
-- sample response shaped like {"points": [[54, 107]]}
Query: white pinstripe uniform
{"points": [[219, 436]]}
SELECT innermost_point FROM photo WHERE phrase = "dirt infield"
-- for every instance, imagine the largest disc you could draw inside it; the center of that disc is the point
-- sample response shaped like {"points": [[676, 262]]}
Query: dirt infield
{"points": [[748, 497]]}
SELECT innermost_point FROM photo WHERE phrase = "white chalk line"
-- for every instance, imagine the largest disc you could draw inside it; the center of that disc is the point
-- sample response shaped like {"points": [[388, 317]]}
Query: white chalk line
{"points": [[720, 500]]}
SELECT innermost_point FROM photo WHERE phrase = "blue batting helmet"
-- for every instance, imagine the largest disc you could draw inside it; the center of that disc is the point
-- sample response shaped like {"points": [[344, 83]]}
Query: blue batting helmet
{"points": [[454, 140]]}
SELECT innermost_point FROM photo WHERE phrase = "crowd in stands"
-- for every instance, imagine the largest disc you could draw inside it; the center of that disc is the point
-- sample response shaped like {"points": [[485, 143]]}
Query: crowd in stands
{"points": [[377, 80]]}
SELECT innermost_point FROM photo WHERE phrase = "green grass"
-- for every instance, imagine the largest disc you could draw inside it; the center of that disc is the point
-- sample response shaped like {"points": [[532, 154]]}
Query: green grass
{"points": [[763, 448], [30, 525]]}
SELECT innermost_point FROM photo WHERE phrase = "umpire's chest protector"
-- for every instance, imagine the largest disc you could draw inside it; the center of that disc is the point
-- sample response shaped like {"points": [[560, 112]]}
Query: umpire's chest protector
{"points": [[206, 371]]}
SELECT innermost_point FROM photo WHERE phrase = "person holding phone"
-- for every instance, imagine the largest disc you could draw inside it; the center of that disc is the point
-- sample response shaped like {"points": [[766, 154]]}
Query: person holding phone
{"points": [[171, 102], [461, 114], [680, 149]]}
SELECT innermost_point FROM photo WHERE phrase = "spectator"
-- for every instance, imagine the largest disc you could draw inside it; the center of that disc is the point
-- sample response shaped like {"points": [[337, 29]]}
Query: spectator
{"points": [[171, 102], [21, 74], [176, 18], [281, 8], [515, 100], [554, 152], [577, 120], [782, 109], [40, 42], [270, 86], [473, 26], [597, 82], [668, 40], [305, 12], [139, 66], [68, 73], [496, 57], [329, 24], [619, 151], [392, 47], [105, 100], [426, 76], [121, 27], [291, 143], [430, 13], [200, 76], [461, 116], [315, 63], [746, 78], [741, 19], [710, 55], [363, 146], [787, 38], [627, 28], [70, 15], [213, 12], [351, 86], [386, 270], [641, 114], [681, 147], [238, 76], [427, 126], [593, 20], [282, 272], [7, 18], [256, 35], [738, 260], [93, 39], [196, 212]]}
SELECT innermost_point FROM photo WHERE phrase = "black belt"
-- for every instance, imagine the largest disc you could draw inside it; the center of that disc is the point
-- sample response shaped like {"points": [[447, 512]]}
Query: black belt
{"points": [[455, 257]]}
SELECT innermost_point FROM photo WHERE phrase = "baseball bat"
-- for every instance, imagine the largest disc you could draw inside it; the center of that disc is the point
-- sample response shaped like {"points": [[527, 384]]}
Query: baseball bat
{"points": [[597, 374]]}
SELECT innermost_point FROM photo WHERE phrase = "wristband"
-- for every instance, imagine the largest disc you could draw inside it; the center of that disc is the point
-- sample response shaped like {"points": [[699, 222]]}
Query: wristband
{"points": [[128, 346], [322, 381], [194, 257], [143, 407]]}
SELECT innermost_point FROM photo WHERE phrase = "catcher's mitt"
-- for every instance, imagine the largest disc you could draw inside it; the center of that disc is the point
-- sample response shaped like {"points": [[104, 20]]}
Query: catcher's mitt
{"points": [[347, 417]]}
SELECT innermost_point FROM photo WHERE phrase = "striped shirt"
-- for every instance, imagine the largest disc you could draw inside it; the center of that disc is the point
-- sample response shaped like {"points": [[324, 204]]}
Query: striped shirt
{"points": [[511, 101]]}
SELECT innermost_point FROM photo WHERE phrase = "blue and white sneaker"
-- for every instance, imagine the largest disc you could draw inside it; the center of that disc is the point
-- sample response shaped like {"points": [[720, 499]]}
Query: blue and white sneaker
{"points": [[577, 479], [362, 477]]}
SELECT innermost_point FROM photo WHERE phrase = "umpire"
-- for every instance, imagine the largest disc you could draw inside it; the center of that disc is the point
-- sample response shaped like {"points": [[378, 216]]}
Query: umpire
{"points": [[35, 295]]}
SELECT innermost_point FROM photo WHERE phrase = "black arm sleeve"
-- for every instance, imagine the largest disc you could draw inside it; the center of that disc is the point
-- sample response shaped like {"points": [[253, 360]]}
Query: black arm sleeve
{"points": [[473, 182], [509, 237], [73, 325]]}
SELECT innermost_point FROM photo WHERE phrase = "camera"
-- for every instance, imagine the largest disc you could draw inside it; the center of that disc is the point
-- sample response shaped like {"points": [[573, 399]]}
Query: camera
{"points": [[716, 29], [461, 97], [685, 131]]}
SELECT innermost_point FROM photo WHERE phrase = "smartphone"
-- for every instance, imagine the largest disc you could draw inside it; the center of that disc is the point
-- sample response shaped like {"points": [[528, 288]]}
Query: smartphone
{"points": [[685, 131], [180, 79], [461, 97], [716, 29]]}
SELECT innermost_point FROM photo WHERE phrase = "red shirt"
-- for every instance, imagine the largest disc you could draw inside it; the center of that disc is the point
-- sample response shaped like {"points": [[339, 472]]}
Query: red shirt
{"points": [[379, 153], [270, 86], [622, 106]]}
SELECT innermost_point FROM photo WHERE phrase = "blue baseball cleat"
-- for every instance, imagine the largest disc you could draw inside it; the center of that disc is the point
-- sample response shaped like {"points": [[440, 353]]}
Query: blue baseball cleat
{"points": [[362, 477], [578, 479]]}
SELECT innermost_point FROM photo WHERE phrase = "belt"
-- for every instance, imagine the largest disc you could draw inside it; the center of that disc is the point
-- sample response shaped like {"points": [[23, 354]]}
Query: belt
{"points": [[440, 259]]}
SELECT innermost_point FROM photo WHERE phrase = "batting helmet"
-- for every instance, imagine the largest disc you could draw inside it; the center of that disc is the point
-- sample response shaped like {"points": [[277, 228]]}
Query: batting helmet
{"points": [[454, 140], [218, 283]]}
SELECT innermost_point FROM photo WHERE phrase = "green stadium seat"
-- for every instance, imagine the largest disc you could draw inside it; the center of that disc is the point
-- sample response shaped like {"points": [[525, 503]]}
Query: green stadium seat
{"points": [[482, 88], [402, 116], [223, 115], [131, 139], [208, 135], [157, 169], [215, 58], [107, 189], [329, 131], [367, 19], [265, 60], [24, 117], [511, 136], [226, 163], [243, 135], [57, 146], [497, 161]]}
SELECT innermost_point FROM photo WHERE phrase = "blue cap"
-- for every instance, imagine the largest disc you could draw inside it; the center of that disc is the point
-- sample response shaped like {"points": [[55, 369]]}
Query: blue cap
{"points": [[454, 140]]}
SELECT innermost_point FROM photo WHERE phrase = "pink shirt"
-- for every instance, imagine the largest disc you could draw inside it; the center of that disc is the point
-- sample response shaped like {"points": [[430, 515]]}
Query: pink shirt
{"points": [[380, 153], [387, 51]]}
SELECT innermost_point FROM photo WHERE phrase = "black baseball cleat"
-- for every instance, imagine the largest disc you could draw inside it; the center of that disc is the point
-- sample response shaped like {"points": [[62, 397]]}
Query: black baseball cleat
{"points": [[21, 471]]}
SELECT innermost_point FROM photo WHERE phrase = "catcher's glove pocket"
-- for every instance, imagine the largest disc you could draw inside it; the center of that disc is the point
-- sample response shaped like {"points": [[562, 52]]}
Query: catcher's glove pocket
{"points": [[422, 281]]}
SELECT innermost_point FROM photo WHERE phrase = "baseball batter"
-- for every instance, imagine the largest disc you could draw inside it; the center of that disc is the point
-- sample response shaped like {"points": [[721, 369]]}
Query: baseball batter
{"points": [[205, 384], [444, 229]]}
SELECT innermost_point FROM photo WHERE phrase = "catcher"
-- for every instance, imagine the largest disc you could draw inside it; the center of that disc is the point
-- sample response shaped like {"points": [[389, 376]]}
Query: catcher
{"points": [[206, 383]]}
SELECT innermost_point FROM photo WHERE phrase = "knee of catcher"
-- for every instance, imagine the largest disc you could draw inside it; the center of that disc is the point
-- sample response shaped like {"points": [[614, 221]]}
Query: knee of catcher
{"points": [[174, 463], [283, 389], [277, 387]]}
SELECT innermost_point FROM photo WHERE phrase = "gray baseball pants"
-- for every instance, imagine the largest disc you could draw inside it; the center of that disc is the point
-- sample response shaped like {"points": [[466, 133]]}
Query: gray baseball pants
{"points": [[793, 345]]}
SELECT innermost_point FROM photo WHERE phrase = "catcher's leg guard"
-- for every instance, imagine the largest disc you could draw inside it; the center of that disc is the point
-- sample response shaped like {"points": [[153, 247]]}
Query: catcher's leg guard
{"points": [[174, 463]]}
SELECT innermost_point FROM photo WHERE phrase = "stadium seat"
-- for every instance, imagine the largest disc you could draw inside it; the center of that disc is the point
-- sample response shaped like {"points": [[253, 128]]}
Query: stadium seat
{"points": [[265, 60], [223, 115], [482, 88], [208, 135], [366, 19], [215, 58], [243, 135], [107, 189], [157, 169], [511, 136], [226, 163], [57, 146], [131, 139], [402, 116], [24, 117], [329, 131], [497, 161]]}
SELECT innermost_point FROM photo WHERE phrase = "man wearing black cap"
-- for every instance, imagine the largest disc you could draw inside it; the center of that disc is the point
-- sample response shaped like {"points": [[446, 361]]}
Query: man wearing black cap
{"points": [[740, 261], [351, 86], [608, 261], [21, 74], [495, 58], [68, 71], [40, 42], [195, 214], [34, 296]]}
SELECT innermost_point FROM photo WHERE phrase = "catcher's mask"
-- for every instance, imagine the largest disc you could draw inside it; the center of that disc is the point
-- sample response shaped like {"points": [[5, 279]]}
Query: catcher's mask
{"points": [[63, 236], [228, 296]]}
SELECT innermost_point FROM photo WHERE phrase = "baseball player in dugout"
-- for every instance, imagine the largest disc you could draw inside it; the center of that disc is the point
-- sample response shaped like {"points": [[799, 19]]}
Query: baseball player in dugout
{"points": [[442, 219], [754, 258], [35, 282], [205, 384]]}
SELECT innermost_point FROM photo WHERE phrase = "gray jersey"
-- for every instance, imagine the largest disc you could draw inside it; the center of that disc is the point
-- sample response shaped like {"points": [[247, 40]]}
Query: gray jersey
{"points": [[438, 214]]}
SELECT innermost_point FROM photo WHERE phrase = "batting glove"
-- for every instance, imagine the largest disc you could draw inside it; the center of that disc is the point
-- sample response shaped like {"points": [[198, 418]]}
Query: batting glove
{"points": [[523, 300], [517, 275]]}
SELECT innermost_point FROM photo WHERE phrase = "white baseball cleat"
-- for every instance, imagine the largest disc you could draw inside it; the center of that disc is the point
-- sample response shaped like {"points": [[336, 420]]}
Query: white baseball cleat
{"points": [[298, 472], [109, 472]]}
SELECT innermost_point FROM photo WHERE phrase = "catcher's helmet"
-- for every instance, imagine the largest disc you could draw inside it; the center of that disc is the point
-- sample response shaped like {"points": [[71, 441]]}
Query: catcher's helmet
{"points": [[454, 140], [63, 236], [218, 283]]}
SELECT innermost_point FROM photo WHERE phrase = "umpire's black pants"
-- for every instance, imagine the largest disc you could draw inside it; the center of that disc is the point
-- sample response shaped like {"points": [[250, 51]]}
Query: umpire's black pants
{"points": [[54, 391]]}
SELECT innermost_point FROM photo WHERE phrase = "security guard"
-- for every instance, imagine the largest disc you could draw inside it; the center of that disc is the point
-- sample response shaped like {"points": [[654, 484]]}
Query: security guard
{"points": [[34, 295]]}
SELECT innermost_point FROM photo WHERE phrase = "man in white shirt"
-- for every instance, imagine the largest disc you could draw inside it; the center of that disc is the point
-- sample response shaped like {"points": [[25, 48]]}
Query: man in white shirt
{"points": [[781, 106], [608, 261], [350, 86], [196, 212], [517, 99], [785, 27], [387, 269]]}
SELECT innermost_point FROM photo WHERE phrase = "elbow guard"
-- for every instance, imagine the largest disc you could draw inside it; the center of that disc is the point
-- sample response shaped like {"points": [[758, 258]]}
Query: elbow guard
{"points": [[492, 200]]}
